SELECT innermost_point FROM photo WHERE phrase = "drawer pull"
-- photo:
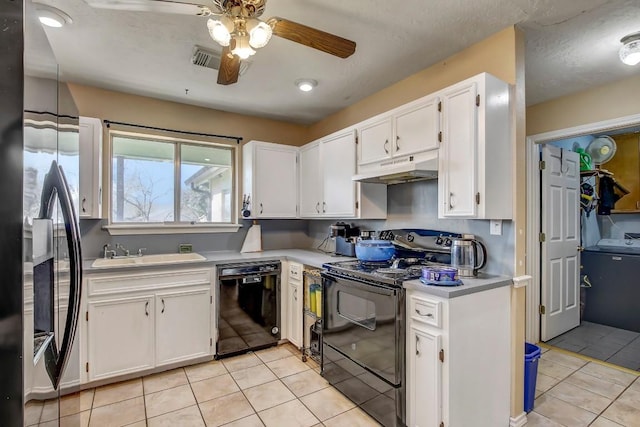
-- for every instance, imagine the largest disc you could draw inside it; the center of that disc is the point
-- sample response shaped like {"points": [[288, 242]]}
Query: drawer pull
{"points": [[146, 308], [426, 315]]}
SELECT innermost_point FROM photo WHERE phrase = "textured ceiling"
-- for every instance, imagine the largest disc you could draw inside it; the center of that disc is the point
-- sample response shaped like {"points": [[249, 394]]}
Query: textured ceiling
{"points": [[571, 45]]}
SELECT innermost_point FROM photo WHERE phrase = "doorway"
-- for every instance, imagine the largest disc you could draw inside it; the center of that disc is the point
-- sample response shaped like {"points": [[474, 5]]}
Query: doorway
{"points": [[578, 339]]}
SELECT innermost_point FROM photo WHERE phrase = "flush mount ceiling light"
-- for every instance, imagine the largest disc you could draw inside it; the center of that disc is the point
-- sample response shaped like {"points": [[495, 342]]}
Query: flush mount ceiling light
{"points": [[52, 17], [306, 85], [630, 50]]}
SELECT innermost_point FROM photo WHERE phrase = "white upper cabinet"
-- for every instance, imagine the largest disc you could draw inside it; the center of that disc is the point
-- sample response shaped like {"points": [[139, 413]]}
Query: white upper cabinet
{"points": [[375, 139], [326, 187], [90, 188], [400, 134], [474, 178], [270, 179]]}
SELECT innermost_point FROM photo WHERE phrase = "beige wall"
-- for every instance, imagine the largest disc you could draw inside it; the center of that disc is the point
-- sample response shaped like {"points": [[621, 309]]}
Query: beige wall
{"points": [[122, 107], [495, 55], [605, 102]]}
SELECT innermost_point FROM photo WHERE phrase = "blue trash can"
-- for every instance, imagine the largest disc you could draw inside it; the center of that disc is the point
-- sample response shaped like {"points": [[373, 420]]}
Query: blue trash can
{"points": [[531, 355]]}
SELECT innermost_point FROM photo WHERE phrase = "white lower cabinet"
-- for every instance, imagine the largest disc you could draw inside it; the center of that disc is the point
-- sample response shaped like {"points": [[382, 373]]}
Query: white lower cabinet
{"points": [[426, 386], [294, 303], [459, 359], [182, 325], [142, 320], [120, 336]]}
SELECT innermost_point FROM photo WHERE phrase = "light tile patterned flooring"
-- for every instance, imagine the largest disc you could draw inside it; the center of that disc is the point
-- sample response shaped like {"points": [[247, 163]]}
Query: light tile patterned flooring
{"points": [[576, 392], [271, 387]]}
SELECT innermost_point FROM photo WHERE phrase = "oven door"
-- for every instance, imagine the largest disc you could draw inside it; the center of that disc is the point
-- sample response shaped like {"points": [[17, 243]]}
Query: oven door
{"points": [[363, 323]]}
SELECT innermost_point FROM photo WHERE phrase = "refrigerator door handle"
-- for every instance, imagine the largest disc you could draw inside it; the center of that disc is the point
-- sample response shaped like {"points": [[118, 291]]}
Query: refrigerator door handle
{"points": [[55, 183]]}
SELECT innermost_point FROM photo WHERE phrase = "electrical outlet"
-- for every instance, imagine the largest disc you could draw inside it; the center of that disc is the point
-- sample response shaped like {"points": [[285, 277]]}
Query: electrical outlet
{"points": [[495, 227]]}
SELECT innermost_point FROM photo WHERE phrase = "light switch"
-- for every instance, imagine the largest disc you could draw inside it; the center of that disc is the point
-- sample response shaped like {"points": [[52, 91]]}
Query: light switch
{"points": [[495, 227]]}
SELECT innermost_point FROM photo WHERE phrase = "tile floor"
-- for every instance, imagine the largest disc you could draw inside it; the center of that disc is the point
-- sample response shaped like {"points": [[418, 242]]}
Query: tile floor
{"points": [[613, 345], [574, 392], [271, 387]]}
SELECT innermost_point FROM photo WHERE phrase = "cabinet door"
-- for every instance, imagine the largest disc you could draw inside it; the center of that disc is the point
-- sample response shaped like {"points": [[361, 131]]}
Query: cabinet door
{"points": [[120, 336], [310, 181], [424, 377], [457, 184], [183, 328], [295, 313], [276, 182], [338, 167], [90, 186], [375, 142], [417, 128]]}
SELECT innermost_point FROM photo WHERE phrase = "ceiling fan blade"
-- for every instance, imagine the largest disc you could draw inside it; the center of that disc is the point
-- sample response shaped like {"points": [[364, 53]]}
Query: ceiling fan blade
{"points": [[229, 67], [312, 37], [162, 6]]}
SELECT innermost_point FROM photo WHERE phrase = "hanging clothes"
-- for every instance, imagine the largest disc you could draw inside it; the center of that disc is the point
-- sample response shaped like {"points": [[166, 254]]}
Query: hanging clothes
{"points": [[609, 193]]}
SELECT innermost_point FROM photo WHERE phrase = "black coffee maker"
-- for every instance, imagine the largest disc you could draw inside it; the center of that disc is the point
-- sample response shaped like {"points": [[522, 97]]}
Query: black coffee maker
{"points": [[345, 237]]}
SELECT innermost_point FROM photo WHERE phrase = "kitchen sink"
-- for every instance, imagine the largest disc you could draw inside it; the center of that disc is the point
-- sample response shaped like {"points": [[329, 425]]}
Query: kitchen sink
{"points": [[147, 260]]}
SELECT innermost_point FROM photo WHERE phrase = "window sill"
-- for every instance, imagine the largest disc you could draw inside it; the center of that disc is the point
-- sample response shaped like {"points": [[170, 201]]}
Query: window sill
{"points": [[133, 229]]}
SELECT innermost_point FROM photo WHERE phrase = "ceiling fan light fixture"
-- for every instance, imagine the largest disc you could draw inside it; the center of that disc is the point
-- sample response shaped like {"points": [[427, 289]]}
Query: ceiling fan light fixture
{"points": [[259, 33], [630, 50], [220, 30], [306, 85], [52, 17], [242, 48]]}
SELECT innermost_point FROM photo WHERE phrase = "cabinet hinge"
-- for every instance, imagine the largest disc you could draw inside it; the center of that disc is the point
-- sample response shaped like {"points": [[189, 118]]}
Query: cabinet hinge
{"points": [[86, 367], [86, 316], [542, 237], [357, 205], [477, 100], [477, 198], [440, 136], [210, 342], [356, 139], [542, 165], [440, 106], [542, 309], [441, 355]]}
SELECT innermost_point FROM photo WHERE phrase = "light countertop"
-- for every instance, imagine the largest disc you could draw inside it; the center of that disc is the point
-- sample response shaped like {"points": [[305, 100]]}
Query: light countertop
{"points": [[483, 282]]}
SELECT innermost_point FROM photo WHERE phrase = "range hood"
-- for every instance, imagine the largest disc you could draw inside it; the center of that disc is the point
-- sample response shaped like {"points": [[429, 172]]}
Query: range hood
{"points": [[406, 170]]}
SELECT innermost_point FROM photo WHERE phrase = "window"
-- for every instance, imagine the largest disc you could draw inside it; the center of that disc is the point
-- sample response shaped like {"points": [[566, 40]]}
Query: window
{"points": [[168, 181]]}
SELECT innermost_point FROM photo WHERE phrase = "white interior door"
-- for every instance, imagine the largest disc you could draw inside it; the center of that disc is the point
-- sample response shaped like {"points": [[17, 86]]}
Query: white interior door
{"points": [[560, 292]]}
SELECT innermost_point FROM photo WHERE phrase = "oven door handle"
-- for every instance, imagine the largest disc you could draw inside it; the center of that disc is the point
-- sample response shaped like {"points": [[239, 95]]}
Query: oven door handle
{"points": [[361, 286]]}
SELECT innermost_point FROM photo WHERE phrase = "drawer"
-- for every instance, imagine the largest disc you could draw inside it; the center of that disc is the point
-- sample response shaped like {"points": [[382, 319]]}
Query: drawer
{"points": [[426, 311], [295, 271]]}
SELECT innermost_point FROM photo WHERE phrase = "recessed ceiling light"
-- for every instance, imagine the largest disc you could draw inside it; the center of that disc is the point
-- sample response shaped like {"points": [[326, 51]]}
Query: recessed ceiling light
{"points": [[52, 17], [206, 159], [306, 85]]}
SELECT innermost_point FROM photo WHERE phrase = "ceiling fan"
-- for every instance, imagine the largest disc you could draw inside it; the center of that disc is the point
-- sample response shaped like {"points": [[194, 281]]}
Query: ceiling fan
{"points": [[236, 26]]}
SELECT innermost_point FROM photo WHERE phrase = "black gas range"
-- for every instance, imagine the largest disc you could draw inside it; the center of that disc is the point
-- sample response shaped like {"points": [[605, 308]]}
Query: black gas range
{"points": [[391, 273]]}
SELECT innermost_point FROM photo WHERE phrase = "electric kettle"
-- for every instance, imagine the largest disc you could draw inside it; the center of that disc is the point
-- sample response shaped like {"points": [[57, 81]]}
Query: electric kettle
{"points": [[468, 255]]}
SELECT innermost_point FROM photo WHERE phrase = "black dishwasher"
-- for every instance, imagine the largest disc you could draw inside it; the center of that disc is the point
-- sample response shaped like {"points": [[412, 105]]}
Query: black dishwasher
{"points": [[248, 307], [613, 296]]}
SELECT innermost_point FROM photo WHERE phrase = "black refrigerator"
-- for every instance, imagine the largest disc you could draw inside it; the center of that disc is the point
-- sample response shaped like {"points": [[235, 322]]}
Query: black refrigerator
{"points": [[40, 251]]}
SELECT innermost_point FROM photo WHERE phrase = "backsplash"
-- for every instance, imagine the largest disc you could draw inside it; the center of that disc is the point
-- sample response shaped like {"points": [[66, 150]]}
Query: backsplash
{"points": [[411, 205], [414, 205]]}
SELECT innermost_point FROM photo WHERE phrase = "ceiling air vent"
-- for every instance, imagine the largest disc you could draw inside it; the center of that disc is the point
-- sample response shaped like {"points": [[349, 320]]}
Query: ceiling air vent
{"points": [[211, 59]]}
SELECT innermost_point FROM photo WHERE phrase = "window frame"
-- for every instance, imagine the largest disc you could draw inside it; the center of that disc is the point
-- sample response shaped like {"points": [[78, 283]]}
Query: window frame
{"points": [[175, 226]]}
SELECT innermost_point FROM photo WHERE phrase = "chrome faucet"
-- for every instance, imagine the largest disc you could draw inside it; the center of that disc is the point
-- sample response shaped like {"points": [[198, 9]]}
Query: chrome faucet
{"points": [[107, 252], [122, 248]]}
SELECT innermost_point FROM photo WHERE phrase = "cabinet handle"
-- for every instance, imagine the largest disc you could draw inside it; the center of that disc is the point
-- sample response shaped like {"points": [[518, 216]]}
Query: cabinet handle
{"points": [[450, 200], [260, 207], [324, 207], [295, 294], [417, 344], [386, 142], [318, 207], [146, 308], [426, 315], [397, 145], [84, 200], [162, 305]]}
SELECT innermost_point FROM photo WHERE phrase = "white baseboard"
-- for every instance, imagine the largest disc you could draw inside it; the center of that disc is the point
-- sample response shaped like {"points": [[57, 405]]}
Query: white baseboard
{"points": [[518, 421]]}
